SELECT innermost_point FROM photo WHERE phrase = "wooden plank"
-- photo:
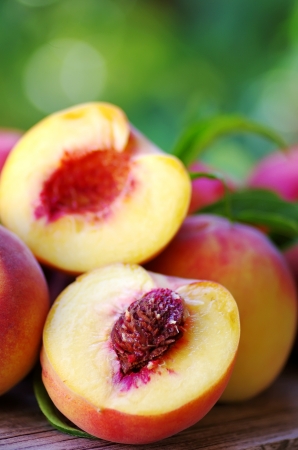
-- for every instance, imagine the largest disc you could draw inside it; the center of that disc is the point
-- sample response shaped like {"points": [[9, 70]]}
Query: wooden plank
{"points": [[267, 422]]}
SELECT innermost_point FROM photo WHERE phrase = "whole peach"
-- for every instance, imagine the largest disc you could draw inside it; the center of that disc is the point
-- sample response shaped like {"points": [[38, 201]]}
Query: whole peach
{"points": [[24, 304], [245, 261]]}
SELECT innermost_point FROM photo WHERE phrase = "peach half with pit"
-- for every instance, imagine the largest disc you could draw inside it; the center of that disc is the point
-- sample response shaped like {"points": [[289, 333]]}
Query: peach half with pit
{"points": [[83, 188], [134, 357], [24, 304]]}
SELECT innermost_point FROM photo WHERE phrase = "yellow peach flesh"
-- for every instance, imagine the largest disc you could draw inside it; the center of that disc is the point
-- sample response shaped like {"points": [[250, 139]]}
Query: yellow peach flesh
{"points": [[79, 363], [138, 223]]}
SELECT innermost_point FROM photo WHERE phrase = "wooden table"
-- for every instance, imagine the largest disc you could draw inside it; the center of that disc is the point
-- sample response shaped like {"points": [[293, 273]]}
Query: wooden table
{"points": [[268, 422]]}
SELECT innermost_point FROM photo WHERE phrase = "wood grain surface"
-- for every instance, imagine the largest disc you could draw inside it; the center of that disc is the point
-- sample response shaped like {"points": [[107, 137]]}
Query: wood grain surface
{"points": [[267, 422]]}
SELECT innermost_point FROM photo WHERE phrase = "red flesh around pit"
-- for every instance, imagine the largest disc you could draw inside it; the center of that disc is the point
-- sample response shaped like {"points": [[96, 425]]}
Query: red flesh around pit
{"points": [[84, 183]]}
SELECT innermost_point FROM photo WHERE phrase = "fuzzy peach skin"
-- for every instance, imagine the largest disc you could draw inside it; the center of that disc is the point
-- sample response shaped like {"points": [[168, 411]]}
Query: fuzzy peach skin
{"points": [[81, 371], [83, 188], [243, 260], [24, 304]]}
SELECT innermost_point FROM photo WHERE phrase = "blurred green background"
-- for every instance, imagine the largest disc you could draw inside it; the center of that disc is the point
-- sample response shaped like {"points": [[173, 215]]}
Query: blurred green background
{"points": [[167, 63]]}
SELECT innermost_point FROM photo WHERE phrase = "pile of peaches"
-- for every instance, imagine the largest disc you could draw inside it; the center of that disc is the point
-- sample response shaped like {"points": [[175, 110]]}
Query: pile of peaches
{"points": [[145, 310]]}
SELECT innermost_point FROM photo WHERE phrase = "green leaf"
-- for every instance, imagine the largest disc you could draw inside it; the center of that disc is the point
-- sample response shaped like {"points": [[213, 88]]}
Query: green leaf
{"points": [[210, 175], [52, 414], [202, 134], [260, 207]]}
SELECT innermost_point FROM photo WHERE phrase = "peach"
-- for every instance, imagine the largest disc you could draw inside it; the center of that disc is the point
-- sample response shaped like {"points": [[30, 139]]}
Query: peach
{"points": [[278, 172], [91, 190], [24, 304], [8, 138], [206, 191], [133, 357], [246, 262]]}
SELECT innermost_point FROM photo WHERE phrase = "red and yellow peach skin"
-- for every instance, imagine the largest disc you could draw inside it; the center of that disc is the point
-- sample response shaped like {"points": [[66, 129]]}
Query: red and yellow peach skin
{"points": [[24, 304]]}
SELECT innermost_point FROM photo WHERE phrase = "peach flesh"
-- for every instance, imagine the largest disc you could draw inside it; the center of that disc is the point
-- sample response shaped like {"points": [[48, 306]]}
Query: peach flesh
{"points": [[125, 428], [82, 374]]}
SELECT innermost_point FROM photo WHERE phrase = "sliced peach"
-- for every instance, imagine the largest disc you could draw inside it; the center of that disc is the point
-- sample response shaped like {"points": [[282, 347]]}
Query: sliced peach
{"points": [[141, 400], [83, 188]]}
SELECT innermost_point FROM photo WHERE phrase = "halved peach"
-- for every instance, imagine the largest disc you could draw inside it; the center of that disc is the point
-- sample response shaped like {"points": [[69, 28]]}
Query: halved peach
{"points": [[133, 357], [83, 188]]}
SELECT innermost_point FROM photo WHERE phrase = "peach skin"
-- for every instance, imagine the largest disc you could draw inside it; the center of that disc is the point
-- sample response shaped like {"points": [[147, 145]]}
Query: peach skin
{"points": [[24, 304]]}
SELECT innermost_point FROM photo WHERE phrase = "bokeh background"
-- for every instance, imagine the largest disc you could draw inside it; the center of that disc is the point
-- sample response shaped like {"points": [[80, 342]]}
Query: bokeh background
{"points": [[167, 63]]}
